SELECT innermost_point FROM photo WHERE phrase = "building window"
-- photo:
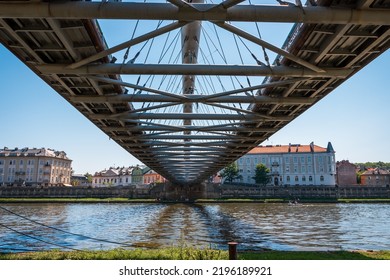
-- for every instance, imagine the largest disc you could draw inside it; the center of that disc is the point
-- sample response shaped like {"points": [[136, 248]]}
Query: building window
{"points": [[321, 178], [309, 159], [302, 159], [287, 168], [303, 179], [288, 179], [295, 160], [296, 179], [310, 179], [295, 169], [287, 159], [309, 168]]}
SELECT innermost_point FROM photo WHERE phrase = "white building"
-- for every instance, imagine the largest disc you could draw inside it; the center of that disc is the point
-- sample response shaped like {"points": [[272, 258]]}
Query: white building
{"points": [[292, 164], [113, 177], [34, 167]]}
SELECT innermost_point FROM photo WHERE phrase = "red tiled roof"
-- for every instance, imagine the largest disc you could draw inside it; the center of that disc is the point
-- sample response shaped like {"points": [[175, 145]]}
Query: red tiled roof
{"points": [[286, 149], [376, 171]]}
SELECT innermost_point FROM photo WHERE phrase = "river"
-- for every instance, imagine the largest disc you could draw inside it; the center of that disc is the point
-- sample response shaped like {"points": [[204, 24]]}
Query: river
{"points": [[43, 226]]}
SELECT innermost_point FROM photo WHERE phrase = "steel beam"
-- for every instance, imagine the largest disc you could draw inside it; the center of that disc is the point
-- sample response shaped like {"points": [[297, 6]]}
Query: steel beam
{"points": [[225, 128], [267, 45], [259, 99], [185, 137], [187, 116], [166, 11], [192, 69], [127, 44]]}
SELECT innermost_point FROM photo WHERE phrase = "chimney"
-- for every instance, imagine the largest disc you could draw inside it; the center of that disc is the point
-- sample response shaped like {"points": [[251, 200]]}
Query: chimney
{"points": [[312, 147]]}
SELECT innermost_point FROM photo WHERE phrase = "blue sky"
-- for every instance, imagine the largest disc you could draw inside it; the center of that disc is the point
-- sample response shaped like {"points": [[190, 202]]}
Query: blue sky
{"points": [[354, 117]]}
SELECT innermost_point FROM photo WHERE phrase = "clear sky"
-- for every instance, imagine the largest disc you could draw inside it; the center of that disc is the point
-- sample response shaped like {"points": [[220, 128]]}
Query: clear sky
{"points": [[354, 117]]}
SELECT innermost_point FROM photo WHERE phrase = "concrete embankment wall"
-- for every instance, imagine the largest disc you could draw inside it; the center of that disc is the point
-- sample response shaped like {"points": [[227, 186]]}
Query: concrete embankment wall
{"points": [[64, 192], [305, 192], [209, 191]]}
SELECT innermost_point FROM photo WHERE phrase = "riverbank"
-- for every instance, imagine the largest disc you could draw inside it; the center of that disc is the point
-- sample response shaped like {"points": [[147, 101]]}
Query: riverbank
{"points": [[200, 201], [188, 253], [209, 191]]}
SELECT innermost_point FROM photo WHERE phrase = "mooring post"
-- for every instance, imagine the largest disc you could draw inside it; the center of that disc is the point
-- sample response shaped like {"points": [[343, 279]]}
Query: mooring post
{"points": [[232, 250]]}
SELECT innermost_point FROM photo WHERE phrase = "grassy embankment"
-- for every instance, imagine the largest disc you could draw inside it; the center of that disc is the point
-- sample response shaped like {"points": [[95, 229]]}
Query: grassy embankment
{"points": [[187, 253]]}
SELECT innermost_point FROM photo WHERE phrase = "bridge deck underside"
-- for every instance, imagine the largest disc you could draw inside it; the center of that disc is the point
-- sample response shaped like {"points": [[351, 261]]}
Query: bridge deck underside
{"points": [[187, 147]]}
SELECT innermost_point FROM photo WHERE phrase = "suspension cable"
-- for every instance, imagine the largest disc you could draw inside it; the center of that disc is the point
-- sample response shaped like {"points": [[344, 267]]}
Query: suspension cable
{"points": [[61, 230], [39, 239]]}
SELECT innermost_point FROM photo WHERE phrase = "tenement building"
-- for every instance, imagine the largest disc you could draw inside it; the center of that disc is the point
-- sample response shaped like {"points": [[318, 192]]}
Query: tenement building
{"points": [[118, 176], [34, 167], [292, 164], [345, 173], [375, 177]]}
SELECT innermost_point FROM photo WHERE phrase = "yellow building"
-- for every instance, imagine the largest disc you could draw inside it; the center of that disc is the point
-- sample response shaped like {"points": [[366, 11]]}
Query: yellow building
{"points": [[34, 167]]}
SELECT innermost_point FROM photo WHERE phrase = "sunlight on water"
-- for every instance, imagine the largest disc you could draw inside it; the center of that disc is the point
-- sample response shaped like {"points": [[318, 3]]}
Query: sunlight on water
{"points": [[254, 226]]}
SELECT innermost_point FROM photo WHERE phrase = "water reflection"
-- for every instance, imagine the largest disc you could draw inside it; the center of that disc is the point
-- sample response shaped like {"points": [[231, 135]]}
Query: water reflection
{"points": [[254, 226]]}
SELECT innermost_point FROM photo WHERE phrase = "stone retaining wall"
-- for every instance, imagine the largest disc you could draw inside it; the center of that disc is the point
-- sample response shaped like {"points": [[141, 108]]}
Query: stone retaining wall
{"points": [[209, 191], [305, 192]]}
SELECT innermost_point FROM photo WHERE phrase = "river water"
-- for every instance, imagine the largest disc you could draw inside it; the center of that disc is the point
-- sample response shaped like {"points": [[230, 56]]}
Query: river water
{"points": [[35, 227]]}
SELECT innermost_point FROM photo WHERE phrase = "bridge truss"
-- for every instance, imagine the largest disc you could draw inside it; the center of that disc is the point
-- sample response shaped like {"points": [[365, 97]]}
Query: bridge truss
{"points": [[192, 87]]}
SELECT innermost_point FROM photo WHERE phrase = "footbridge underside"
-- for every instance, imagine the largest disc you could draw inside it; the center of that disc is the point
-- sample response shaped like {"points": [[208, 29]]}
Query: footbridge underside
{"points": [[187, 99]]}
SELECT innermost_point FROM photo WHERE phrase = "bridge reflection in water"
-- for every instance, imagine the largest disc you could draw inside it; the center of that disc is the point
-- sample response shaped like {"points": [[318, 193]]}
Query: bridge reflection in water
{"points": [[253, 226]]}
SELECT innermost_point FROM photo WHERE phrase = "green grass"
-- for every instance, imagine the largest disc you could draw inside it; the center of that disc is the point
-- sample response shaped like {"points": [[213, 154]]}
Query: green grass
{"points": [[189, 253], [316, 255], [364, 200], [174, 253]]}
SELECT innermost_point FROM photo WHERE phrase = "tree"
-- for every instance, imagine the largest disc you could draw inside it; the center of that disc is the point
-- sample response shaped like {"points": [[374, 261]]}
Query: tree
{"points": [[261, 175], [89, 177], [231, 173]]}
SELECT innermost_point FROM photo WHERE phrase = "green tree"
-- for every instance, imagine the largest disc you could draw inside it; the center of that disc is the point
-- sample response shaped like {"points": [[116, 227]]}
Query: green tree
{"points": [[231, 173], [89, 177], [358, 176], [261, 175]]}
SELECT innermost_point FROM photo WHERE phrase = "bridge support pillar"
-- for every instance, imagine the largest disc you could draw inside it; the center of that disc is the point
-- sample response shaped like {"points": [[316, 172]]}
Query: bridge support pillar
{"points": [[181, 193]]}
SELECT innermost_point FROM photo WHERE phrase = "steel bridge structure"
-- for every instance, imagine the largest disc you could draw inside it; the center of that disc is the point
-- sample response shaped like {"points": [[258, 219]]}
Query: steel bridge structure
{"points": [[185, 99]]}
